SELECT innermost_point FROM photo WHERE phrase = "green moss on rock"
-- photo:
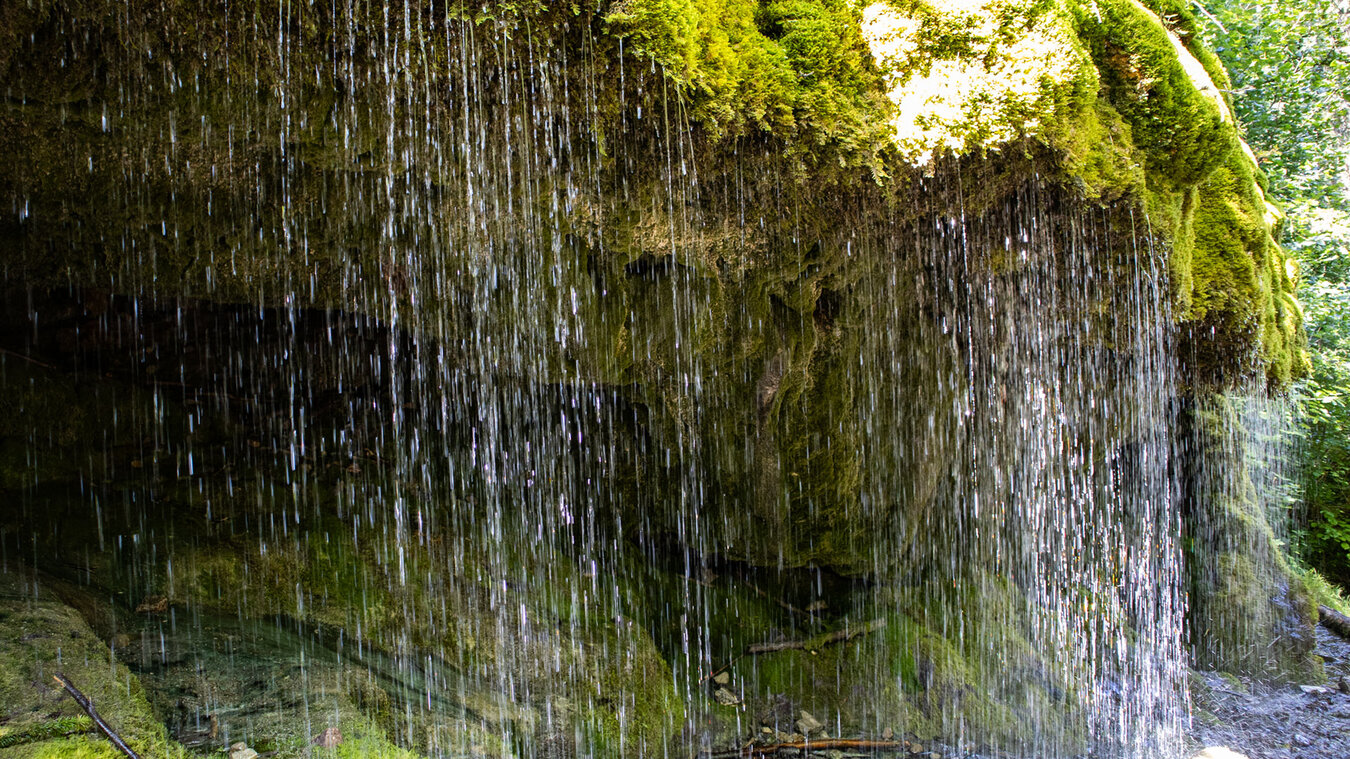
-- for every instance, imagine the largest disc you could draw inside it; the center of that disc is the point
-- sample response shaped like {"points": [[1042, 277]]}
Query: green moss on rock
{"points": [[41, 637], [797, 69], [1183, 132], [1250, 613]]}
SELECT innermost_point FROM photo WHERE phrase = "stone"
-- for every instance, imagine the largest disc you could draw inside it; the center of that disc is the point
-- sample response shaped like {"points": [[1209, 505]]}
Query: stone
{"points": [[242, 751], [808, 724], [153, 605], [722, 678], [328, 738], [1344, 684], [1302, 740], [1219, 752], [1315, 690], [726, 697], [887, 734]]}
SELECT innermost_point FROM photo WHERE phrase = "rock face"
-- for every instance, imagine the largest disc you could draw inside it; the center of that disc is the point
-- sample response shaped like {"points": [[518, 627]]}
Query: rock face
{"points": [[486, 331], [500, 181]]}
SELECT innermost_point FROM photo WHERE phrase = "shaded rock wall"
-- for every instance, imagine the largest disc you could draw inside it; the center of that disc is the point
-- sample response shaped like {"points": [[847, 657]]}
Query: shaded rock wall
{"points": [[668, 231]]}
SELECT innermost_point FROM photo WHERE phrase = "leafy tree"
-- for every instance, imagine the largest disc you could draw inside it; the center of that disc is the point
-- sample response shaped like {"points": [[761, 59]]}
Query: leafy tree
{"points": [[1290, 65]]}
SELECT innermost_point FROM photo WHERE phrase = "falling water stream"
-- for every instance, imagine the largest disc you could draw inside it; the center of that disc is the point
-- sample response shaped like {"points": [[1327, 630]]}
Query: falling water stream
{"points": [[434, 374]]}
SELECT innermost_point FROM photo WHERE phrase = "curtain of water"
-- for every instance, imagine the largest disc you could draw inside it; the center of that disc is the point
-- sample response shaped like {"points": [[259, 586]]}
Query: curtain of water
{"points": [[1021, 430], [438, 396]]}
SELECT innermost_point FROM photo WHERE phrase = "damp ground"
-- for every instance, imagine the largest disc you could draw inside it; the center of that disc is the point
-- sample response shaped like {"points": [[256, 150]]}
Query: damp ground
{"points": [[1263, 721]]}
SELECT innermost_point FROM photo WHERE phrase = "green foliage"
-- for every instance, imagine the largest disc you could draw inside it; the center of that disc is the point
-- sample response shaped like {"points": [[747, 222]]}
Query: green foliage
{"points": [[1323, 246], [1290, 64]]}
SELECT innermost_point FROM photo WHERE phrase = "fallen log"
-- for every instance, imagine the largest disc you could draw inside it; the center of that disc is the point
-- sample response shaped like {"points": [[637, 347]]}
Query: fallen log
{"points": [[1334, 621], [838, 636], [824, 744], [88, 706]]}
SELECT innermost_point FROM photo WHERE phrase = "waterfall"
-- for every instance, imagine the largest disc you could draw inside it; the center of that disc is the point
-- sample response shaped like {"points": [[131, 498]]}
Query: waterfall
{"points": [[435, 375]]}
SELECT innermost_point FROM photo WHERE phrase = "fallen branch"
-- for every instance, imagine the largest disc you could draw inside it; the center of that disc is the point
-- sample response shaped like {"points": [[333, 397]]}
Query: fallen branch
{"points": [[29, 359], [838, 636], [1210, 16], [88, 706], [1334, 621], [720, 670], [824, 744]]}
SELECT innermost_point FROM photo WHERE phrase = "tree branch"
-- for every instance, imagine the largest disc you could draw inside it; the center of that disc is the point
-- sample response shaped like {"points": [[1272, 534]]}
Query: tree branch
{"points": [[88, 706], [825, 744], [1334, 621], [838, 636]]}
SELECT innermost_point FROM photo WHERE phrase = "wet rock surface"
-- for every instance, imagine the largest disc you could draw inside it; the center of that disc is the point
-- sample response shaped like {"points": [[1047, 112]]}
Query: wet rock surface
{"points": [[1278, 722]]}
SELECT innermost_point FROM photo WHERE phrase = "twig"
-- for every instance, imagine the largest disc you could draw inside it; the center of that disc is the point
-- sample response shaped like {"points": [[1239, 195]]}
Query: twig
{"points": [[29, 359], [825, 744], [1210, 16], [789, 607], [838, 636], [720, 669], [88, 706]]}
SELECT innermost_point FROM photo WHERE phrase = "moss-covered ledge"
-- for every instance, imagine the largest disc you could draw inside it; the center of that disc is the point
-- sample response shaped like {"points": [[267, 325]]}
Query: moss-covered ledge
{"points": [[1130, 106]]}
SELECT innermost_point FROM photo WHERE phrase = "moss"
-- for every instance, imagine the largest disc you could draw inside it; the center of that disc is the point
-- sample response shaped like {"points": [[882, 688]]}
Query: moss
{"points": [[42, 637], [1240, 290], [1251, 614], [1182, 132], [1231, 241], [945, 659], [796, 68], [1180, 19], [61, 727], [1098, 153]]}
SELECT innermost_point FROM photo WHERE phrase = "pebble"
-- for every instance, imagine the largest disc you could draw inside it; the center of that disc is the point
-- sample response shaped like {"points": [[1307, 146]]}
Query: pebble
{"points": [[1219, 752], [722, 678], [725, 697], [1315, 690], [328, 738], [242, 751], [808, 724], [1302, 740]]}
